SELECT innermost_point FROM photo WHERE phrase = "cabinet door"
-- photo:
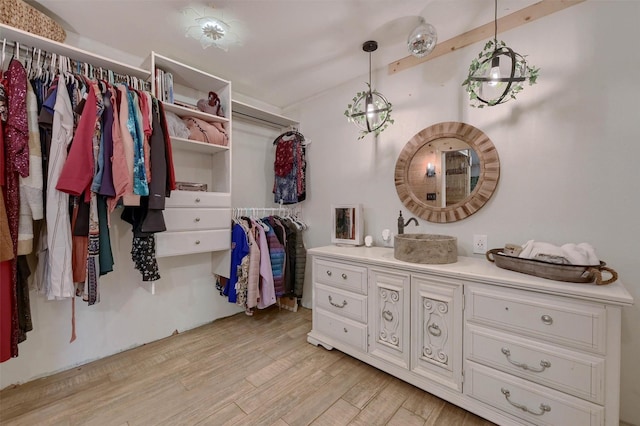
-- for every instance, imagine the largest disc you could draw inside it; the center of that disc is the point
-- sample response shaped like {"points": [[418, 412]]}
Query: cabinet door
{"points": [[437, 329], [389, 316]]}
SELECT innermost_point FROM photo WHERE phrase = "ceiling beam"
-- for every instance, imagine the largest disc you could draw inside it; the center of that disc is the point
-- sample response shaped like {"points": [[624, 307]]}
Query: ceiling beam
{"points": [[506, 23]]}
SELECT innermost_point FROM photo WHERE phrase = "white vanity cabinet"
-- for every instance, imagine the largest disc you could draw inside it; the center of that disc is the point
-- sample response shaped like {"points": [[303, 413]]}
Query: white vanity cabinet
{"points": [[512, 348]]}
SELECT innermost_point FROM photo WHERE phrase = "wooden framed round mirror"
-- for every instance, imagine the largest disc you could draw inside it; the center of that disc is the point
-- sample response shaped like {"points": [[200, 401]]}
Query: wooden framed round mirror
{"points": [[447, 172]]}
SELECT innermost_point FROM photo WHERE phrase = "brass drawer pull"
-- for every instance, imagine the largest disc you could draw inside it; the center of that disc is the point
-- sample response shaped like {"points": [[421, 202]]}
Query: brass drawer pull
{"points": [[434, 330], [544, 363], [547, 319], [543, 407], [344, 303]]}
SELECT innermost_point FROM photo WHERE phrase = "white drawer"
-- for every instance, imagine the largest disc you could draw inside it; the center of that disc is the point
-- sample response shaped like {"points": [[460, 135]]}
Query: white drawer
{"points": [[177, 243], [569, 371], [341, 275], [343, 329], [341, 302], [198, 199], [572, 323], [194, 219], [528, 401]]}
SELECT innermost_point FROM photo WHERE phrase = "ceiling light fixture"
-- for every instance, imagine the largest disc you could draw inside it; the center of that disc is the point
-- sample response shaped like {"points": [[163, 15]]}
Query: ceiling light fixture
{"points": [[209, 30], [498, 73], [370, 110], [422, 39]]}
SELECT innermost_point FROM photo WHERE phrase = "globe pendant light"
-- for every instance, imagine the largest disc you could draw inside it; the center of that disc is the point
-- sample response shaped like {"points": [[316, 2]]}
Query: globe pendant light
{"points": [[498, 73], [422, 39], [370, 110]]}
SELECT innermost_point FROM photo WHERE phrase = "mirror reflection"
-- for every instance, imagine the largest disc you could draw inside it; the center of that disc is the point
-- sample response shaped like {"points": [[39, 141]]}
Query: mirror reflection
{"points": [[447, 172]]}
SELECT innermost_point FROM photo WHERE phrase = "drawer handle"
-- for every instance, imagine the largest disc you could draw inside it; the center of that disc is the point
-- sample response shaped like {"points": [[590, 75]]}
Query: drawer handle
{"points": [[344, 303], [344, 276], [434, 330], [197, 200], [329, 273], [197, 219], [387, 316], [543, 407], [197, 242], [544, 363], [547, 319]]}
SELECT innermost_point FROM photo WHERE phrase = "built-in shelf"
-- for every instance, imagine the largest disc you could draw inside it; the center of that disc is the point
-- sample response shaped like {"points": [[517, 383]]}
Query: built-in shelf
{"points": [[32, 40], [184, 112], [253, 113], [188, 76], [195, 146]]}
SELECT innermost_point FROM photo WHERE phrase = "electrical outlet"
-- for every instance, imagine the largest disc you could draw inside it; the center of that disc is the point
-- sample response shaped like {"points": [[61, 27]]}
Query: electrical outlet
{"points": [[480, 244]]}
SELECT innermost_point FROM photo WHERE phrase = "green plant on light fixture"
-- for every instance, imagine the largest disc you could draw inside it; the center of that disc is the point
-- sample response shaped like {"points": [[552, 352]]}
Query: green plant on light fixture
{"points": [[378, 117], [498, 74]]}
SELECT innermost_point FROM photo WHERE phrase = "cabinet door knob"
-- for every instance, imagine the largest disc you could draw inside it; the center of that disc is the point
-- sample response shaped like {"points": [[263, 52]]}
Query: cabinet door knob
{"points": [[387, 315], [547, 319], [434, 330], [197, 219], [344, 276], [329, 273], [197, 242], [345, 330], [197, 200]]}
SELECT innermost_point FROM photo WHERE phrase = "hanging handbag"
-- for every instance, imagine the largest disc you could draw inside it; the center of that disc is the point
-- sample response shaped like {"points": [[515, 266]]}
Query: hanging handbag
{"points": [[211, 105]]}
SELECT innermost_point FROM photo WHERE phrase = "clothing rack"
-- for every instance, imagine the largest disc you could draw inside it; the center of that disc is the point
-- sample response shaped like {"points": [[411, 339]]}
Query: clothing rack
{"points": [[33, 41]]}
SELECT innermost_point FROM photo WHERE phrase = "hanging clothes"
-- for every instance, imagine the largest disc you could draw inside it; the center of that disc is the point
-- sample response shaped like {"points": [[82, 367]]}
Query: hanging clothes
{"points": [[289, 185]]}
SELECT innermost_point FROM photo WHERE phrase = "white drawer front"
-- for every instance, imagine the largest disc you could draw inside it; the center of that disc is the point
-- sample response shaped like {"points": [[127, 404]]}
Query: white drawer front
{"points": [[345, 330], [340, 302], [198, 199], [177, 243], [569, 371], [194, 219], [528, 401], [572, 323], [341, 275]]}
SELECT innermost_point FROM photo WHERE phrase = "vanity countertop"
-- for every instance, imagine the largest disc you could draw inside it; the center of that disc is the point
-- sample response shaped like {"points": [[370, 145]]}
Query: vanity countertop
{"points": [[480, 270]]}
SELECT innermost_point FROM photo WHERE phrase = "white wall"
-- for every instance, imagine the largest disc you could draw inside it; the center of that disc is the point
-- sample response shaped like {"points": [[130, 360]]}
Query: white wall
{"points": [[568, 149]]}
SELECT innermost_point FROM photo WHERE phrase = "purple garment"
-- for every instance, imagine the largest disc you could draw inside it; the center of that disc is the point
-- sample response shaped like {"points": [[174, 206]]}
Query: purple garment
{"points": [[106, 185]]}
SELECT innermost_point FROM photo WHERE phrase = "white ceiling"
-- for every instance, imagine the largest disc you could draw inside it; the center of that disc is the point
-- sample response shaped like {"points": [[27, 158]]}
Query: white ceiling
{"points": [[290, 50]]}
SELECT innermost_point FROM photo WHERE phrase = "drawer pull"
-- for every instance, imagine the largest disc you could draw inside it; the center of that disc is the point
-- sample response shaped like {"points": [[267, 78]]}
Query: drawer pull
{"points": [[387, 316], [197, 219], [544, 363], [329, 273], [344, 276], [547, 319], [197, 242], [434, 330], [197, 200], [344, 303], [543, 407]]}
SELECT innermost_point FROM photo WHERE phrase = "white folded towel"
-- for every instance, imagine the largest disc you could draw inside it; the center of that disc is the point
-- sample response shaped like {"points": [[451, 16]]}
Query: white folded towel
{"points": [[576, 254]]}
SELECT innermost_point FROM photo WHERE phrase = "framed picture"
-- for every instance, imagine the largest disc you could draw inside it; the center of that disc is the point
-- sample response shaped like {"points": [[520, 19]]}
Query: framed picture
{"points": [[347, 224]]}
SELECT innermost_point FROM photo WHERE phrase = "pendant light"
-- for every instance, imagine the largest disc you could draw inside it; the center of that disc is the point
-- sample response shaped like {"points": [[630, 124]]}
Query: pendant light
{"points": [[498, 73], [370, 110], [422, 39]]}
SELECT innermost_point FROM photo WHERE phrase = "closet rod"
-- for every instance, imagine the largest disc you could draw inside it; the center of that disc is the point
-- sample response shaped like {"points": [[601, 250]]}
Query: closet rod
{"points": [[29, 51], [261, 120]]}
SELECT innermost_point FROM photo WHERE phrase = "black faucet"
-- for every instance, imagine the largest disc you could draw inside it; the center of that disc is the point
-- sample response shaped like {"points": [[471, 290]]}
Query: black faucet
{"points": [[402, 223]]}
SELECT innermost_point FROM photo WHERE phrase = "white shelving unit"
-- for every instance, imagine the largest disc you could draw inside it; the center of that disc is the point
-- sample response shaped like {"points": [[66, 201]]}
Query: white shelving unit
{"points": [[244, 110]]}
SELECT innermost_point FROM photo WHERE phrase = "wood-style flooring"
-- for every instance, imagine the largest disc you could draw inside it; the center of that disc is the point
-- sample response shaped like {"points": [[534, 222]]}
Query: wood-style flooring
{"points": [[240, 370]]}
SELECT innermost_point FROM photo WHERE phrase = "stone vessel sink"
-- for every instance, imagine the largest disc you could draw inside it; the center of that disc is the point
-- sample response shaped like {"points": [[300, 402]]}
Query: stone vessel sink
{"points": [[425, 248]]}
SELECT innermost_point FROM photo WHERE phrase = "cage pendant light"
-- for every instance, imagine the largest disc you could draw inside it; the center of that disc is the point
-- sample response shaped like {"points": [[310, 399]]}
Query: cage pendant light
{"points": [[498, 73], [369, 110]]}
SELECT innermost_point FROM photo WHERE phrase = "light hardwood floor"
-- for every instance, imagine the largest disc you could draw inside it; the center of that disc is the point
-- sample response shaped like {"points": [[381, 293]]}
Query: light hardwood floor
{"points": [[239, 370]]}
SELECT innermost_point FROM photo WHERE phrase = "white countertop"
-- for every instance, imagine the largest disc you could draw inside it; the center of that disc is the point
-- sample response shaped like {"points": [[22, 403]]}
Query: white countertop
{"points": [[480, 270]]}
